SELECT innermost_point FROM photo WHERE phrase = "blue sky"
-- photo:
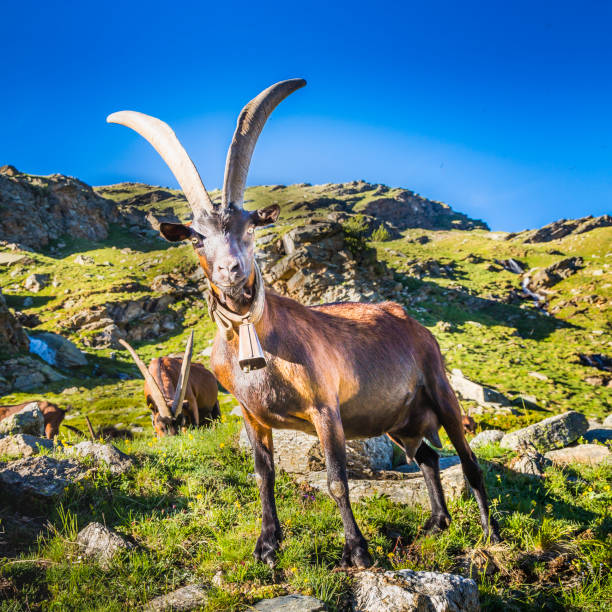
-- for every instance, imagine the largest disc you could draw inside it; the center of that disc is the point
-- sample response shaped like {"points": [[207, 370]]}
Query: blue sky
{"points": [[503, 110]]}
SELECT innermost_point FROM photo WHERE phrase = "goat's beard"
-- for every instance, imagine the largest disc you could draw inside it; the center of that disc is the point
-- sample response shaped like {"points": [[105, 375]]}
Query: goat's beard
{"points": [[238, 298]]}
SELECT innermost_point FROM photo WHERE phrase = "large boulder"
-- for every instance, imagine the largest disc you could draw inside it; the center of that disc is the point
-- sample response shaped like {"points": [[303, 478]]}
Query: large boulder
{"points": [[407, 590], [186, 598], [106, 454], [29, 420], [488, 436], [60, 351], [23, 445], [291, 603], [98, 542], [555, 432], [25, 373], [36, 282], [300, 453], [39, 477]]}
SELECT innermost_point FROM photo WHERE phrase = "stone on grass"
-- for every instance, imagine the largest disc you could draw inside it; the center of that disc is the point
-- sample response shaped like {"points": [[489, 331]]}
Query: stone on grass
{"points": [[100, 543], [42, 477], [186, 598], [299, 453], [117, 462], [291, 603], [608, 421], [555, 432], [469, 390], [29, 420], [582, 453], [404, 488], [36, 282], [23, 445], [488, 436], [64, 353], [531, 463], [407, 590]]}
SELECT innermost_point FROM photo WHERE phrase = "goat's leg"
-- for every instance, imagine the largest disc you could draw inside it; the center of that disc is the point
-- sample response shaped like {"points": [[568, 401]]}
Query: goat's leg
{"points": [[263, 452], [429, 462], [449, 415], [329, 428]]}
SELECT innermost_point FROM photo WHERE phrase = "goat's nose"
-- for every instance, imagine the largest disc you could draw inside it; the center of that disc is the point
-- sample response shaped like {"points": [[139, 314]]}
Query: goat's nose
{"points": [[229, 270]]}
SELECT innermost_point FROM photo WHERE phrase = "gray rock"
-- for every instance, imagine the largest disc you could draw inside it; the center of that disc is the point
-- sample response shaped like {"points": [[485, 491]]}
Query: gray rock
{"points": [[299, 453], [36, 282], [582, 453], [23, 445], [100, 543], [598, 434], [406, 590], [531, 463], [445, 463], [65, 353], [117, 462], [29, 420], [404, 488], [489, 436], [42, 477], [291, 603], [549, 434], [608, 421], [186, 598], [469, 390]]}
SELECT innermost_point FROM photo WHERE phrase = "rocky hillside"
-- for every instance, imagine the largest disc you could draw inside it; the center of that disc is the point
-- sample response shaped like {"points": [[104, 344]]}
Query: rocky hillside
{"points": [[522, 319]]}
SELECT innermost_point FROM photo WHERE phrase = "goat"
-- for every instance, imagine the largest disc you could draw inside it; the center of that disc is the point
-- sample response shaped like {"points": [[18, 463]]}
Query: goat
{"points": [[191, 386], [53, 415], [339, 371]]}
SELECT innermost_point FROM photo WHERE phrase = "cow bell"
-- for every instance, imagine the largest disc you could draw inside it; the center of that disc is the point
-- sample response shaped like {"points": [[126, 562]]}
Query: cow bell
{"points": [[250, 355]]}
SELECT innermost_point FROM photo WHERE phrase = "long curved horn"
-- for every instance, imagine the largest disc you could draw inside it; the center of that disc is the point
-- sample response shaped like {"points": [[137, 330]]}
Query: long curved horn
{"points": [[165, 142], [156, 394], [250, 123], [181, 385]]}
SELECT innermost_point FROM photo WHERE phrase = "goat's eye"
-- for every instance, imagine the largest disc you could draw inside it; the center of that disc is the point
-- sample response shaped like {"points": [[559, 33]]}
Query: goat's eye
{"points": [[251, 229], [195, 241]]}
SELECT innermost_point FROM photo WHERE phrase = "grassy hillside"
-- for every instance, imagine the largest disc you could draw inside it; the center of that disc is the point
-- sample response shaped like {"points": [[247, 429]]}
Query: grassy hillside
{"points": [[191, 504]]}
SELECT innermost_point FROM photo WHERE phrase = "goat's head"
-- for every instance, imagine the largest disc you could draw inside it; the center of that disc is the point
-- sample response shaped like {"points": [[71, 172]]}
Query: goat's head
{"points": [[222, 234], [167, 414]]}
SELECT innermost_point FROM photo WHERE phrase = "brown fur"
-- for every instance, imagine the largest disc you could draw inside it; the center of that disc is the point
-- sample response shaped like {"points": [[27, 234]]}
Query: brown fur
{"points": [[52, 414], [201, 395]]}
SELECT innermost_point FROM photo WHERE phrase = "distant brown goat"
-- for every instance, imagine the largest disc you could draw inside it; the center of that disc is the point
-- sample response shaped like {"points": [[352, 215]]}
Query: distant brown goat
{"points": [[52, 414], [191, 386]]}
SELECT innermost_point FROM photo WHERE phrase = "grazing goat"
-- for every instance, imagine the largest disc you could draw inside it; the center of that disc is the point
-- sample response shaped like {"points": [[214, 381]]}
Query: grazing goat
{"points": [[338, 370], [53, 415], [191, 386]]}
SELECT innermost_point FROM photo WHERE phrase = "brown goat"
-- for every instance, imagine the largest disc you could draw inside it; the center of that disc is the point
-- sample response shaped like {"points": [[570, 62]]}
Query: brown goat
{"points": [[338, 370], [179, 393], [52, 414]]}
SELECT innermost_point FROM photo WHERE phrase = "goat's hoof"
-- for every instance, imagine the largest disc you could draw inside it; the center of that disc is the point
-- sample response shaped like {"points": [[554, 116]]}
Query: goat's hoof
{"points": [[356, 556], [494, 535], [266, 547], [436, 523]]}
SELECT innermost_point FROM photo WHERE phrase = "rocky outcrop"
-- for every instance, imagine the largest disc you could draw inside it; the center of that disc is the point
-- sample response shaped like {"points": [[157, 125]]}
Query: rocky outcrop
{"points": [[489, 436], [12, 337], [189, 597], [562, 228], [39, 477], [25, 374], [35, 210], [538, 279], [57, 350], [549, 434], [407, 590], [103, 454], [100, 543], [469, 390], [135, 320]]}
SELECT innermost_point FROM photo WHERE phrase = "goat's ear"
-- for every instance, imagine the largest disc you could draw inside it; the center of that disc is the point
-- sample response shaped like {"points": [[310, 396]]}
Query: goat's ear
{"points": [[265, 216], [174, 232]]}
